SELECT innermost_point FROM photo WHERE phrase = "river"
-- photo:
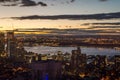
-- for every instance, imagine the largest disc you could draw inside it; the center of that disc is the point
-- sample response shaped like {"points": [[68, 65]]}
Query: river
{"points": [[86, 50]]}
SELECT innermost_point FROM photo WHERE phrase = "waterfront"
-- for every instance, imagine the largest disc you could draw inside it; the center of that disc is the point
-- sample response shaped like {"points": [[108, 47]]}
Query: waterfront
{"points": [[79, 63], [86, 50]]}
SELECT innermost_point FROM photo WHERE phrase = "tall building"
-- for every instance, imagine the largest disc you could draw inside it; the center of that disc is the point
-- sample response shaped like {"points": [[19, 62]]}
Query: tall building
{"points": [[78, 60], [46, 70], [101, 60], [1, 42], [117, 61], [10, 43]]}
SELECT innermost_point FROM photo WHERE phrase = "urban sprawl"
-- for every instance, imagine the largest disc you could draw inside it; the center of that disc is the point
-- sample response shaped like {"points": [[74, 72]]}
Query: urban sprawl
{"points": [[18, 64]]}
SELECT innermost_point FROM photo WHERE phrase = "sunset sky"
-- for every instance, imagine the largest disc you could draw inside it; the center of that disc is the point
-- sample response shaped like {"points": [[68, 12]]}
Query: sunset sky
{"points": [[60, 14]]}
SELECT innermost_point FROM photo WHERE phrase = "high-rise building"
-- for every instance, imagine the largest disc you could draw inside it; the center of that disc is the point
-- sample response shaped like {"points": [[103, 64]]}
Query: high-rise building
{"points": [[10, 43], [78, 60], [1, 42], [117, 61], [101, 60], [46, 70]]}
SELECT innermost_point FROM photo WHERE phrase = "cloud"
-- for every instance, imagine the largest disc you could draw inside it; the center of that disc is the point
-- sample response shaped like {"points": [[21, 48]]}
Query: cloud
{"points": [[101, 16], [27, 3], [8, 0], [105, 23], [42, 4], [21, 3], [73, 31], [105, 27], [32, 3], [9, 4]]}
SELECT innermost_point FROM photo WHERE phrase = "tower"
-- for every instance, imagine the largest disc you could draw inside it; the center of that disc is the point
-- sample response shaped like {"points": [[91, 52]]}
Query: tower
{"points": [[1, 42], [79, 50], [10, 43], [78, 61]]}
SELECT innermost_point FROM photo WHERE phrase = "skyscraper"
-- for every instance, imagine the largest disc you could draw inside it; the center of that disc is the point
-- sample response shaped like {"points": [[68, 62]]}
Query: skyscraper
{"points": [[78, 60], [1, 42], [10, 43]]}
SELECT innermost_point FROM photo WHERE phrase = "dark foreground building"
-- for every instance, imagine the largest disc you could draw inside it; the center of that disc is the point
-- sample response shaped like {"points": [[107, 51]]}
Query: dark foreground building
{"points": [[46, 70]]}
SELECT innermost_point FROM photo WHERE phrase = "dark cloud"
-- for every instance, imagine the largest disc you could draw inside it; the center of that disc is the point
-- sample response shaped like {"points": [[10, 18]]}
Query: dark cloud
{"points": [[105, 27], [10, 4], [8, 0], [105, 23], [29, 2], [32, 3], [101, 16], [22, 3], [42, 4], [72, 31]]}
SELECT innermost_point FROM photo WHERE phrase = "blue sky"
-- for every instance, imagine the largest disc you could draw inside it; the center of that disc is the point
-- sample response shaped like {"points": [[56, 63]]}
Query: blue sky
{"points": [[61, 7]]}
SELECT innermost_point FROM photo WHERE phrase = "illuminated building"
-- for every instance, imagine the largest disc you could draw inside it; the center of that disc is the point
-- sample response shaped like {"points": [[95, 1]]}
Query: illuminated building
{"points": [[101, 60], [117, 61]]}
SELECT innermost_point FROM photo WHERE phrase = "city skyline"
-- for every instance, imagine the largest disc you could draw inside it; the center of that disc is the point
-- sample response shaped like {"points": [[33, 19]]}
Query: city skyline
{"points": [[60, 14]]}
